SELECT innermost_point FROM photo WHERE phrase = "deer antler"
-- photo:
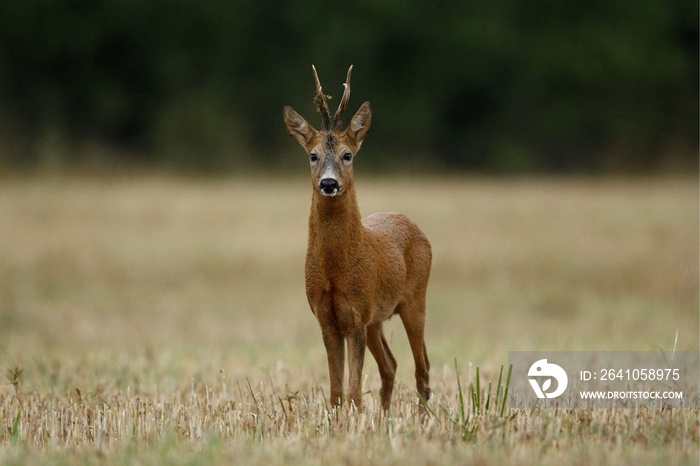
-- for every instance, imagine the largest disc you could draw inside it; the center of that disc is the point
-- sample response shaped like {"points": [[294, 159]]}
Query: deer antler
{"points": [[338, 117], [320, 101]]}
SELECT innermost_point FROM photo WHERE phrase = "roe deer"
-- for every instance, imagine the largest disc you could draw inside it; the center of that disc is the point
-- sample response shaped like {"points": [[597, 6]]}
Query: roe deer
{"points": [[359, 273]]}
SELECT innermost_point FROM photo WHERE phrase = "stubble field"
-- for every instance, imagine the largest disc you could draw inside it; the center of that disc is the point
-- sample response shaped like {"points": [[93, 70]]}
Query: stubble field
{"points": [[161, 320]]}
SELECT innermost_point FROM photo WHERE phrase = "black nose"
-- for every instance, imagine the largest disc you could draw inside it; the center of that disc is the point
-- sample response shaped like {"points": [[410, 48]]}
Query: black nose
{"points": [[329, 185]]}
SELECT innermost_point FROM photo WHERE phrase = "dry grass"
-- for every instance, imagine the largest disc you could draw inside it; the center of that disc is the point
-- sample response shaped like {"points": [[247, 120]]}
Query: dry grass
{"points": [[159, 320]]}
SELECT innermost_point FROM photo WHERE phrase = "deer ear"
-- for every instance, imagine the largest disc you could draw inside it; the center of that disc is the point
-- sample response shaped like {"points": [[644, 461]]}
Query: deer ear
{"points": [[360, 123], [297, 127]]}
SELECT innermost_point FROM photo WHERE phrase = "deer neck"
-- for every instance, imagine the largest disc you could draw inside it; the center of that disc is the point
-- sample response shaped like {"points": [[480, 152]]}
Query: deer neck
{"points": [[335, 228]]}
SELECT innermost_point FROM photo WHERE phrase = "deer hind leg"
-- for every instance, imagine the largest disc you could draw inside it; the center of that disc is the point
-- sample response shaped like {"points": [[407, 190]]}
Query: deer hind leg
{"points": [[413, 318], [385, 360], [335, 349]]}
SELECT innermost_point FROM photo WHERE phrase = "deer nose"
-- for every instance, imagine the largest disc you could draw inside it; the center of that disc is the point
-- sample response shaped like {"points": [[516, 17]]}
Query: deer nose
{"points": [[329, 186]]}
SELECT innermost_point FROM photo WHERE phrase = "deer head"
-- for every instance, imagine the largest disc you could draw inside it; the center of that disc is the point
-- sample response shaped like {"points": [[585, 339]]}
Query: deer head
{"points": [[331, 150]]}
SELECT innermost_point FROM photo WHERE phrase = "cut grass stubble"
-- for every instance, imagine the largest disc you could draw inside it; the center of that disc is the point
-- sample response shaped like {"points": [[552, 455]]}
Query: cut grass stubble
{"points": [[242, 414]]}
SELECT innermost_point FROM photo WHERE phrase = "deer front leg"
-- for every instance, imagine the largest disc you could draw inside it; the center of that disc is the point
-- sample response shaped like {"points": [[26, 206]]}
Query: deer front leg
{"points": [[335, 350], [357, 342]]}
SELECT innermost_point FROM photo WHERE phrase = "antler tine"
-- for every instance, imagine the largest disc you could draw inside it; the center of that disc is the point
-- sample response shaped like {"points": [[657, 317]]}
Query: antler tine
{"points": [[320, 101], [338, 117]]}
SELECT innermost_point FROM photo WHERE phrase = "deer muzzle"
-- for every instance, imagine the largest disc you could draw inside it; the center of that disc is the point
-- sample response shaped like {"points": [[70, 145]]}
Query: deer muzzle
{"points": [[329, 186]]}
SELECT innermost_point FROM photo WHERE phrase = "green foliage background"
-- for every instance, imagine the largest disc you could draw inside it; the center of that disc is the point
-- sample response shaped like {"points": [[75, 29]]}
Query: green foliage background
{"points": [[504, 86]]}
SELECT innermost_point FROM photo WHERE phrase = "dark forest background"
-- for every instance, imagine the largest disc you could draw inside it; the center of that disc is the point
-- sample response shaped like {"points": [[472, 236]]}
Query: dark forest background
{"points": [[489, 86]]}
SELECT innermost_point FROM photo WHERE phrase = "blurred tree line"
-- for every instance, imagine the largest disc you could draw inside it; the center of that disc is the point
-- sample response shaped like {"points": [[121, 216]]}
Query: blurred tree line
{"points": [[494, 86]]}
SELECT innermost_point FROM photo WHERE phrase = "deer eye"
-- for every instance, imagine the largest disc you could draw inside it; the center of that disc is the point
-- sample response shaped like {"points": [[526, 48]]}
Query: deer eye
{"points": [[313, 157], [347, 157]]}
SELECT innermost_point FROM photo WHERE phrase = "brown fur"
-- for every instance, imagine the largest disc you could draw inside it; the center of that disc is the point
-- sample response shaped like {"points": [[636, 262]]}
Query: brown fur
{"points": [[360, 272]]}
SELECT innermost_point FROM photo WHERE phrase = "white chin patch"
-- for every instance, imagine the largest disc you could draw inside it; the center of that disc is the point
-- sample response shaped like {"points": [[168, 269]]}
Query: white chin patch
{"points": [[332, 193]]}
